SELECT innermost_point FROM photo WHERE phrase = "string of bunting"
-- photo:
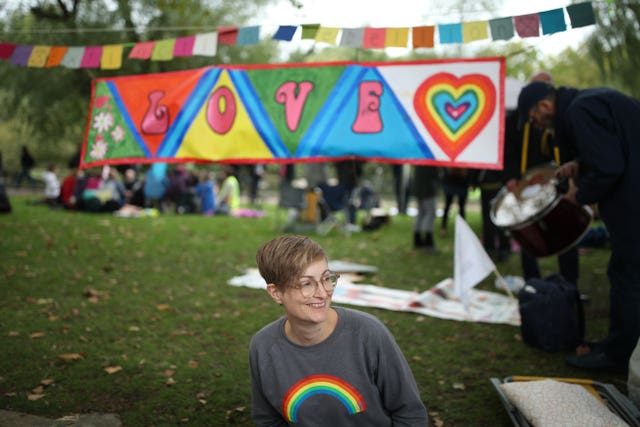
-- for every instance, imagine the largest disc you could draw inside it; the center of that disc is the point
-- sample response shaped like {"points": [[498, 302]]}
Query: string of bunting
{"points": [[109, 57]]}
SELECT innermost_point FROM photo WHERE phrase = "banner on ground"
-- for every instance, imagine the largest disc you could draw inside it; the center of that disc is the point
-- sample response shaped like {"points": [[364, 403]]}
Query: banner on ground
{"points": [[439, 112]]}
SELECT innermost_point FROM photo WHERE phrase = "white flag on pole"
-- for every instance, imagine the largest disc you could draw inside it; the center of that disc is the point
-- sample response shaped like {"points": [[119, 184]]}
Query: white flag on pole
{"points": [[471, 263]]}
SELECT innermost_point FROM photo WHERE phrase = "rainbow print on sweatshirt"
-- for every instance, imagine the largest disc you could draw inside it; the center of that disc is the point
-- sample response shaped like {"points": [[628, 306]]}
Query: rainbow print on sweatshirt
{"points": [[321, 384]]}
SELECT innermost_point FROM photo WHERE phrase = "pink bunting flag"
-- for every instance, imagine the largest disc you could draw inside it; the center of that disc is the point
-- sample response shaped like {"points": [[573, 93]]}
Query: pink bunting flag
{"points": [[374, 38], [527, 25], [141, 50], [228, 36], [91, 58], [184, 46]]}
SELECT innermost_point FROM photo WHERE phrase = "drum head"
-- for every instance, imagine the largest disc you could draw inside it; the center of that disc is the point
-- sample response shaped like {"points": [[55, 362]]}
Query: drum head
{"points": [[533, 196]]}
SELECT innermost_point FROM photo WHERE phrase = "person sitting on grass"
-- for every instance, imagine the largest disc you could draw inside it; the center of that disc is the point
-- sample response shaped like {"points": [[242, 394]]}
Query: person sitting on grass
{"points": [[51, 186], [321, 365], [228, 198]]}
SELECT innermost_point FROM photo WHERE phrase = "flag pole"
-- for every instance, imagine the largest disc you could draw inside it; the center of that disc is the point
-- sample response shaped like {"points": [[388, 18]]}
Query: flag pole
{"points": [[504, 283]]}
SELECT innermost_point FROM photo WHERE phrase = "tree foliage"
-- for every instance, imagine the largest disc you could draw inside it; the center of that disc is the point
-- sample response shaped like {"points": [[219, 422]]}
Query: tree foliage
{"points": [[49, 105], [616, 44]]}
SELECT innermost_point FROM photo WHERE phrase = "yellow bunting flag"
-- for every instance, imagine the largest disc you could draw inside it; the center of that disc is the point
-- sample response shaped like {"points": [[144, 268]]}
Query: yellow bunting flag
{"points": [[327, 35], [111, 57], [396, 37], [475, 30], [39, 56]]}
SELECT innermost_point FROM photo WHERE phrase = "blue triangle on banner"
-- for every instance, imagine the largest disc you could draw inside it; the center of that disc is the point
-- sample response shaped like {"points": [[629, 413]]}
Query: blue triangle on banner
{"points": [[332, 133]]}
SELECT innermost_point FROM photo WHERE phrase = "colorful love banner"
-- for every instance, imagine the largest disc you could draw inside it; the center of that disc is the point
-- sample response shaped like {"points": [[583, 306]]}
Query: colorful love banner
{"points": [[442, 112]]}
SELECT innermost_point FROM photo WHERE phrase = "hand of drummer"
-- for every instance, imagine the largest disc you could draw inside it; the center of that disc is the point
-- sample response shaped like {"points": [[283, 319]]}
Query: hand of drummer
{"points": [[570, 169], [571, 194]]}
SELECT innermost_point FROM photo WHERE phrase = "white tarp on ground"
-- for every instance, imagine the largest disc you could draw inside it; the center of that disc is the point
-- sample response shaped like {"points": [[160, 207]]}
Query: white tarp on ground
{"points": [[484, 306]]}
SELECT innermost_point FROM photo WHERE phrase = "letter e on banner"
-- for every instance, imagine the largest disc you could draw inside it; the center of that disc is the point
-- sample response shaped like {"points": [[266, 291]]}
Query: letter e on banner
{"points": [[368, 119]]}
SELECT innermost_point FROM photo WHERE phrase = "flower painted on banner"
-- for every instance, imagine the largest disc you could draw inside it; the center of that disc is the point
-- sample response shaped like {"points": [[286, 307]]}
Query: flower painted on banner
{"points": [[103, 122], [101, 101], [99, 149], [117, 134]]}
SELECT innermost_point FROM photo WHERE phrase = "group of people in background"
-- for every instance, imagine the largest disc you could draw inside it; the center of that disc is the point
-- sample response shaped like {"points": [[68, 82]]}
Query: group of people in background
{"points": [[161, 187]]}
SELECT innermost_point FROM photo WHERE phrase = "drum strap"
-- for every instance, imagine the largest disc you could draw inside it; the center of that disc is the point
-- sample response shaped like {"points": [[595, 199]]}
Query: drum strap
{"points": [[525, 147], [544, 147]]}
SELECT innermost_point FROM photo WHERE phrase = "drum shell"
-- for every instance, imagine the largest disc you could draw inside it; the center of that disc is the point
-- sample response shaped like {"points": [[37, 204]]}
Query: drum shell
{"points": [[552, 231]]}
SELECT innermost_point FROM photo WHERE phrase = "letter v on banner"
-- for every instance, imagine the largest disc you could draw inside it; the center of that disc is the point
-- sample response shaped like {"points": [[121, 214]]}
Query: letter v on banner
{"points": [[471, 263]]}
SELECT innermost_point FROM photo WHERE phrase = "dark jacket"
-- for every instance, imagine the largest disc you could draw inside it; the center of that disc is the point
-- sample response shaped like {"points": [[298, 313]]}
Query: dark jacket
{"points": [[604, 126], [426, 181]]}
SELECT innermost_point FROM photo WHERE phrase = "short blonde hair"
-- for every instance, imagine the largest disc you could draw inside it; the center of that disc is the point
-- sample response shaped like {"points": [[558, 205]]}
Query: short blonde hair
{"points": [[282, 260]]}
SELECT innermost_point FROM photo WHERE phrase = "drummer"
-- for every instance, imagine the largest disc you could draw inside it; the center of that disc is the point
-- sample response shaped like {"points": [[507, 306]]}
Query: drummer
{"points": [[604, 127], [527, 147]]}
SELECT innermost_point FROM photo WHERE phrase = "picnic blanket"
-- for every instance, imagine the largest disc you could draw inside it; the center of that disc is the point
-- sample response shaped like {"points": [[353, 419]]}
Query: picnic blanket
{"points": [[484, 306]]}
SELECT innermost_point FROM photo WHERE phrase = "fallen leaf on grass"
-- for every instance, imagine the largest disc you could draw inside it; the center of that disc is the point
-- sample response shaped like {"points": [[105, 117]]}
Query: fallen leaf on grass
{"points": [[13, 334], [230, 412], [170, 382], [35, 396], [37, 335], [93, 295], [169, 372], [459, 386], [193, 363], [47, 382], [163, 307], [70, 357], [112, 369], [134, 328], [435, 417]]}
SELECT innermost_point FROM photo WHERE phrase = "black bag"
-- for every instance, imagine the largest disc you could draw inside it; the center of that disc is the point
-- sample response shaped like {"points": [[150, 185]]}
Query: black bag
{"points": [[551, 314]]}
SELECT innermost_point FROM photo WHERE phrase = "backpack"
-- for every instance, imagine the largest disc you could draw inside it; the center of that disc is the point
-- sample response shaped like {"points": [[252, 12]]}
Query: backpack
{"points": [[551, 314]]}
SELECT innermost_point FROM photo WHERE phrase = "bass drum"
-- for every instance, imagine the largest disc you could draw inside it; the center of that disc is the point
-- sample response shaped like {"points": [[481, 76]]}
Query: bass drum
{"points": [[537, 216]]}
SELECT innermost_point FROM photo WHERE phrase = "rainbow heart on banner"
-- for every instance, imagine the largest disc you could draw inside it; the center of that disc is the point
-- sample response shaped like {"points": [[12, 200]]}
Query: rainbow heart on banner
{"points": [[455, 109]]}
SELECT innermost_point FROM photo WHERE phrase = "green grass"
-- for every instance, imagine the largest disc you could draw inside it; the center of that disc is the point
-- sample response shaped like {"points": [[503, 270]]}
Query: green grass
{"points": [[165, 314]]}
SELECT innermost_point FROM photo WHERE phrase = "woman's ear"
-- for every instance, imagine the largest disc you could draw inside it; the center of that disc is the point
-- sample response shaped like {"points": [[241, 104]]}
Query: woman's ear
{"points": [[274, 293]]}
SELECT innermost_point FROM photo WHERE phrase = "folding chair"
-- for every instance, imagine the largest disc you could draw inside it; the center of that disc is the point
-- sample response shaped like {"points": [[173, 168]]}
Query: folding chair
{"points": [[332, 201], [294, 200]]}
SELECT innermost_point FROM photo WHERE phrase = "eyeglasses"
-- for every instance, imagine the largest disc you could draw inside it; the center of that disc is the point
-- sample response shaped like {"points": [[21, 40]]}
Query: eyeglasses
{"points": [[308, 286]]}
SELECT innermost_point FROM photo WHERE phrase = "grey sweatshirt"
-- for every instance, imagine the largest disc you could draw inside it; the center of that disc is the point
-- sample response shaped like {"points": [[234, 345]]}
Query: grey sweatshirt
{"points": [[356, 377]]}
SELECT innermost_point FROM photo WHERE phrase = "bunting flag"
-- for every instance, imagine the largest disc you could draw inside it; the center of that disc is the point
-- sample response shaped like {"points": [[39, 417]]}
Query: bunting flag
{"points": [[505, 28], [422, 112]]}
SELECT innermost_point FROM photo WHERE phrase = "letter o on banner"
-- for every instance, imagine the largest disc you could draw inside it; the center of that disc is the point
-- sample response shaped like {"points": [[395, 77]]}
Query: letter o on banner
{"points": [[221, 110]]}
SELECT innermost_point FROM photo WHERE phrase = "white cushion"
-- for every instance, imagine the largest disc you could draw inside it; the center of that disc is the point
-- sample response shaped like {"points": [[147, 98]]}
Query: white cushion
{"points": [[555, 403]]}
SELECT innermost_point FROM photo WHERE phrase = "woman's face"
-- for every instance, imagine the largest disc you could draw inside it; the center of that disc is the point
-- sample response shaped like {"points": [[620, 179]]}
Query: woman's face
{"points": [[312, 309]]}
